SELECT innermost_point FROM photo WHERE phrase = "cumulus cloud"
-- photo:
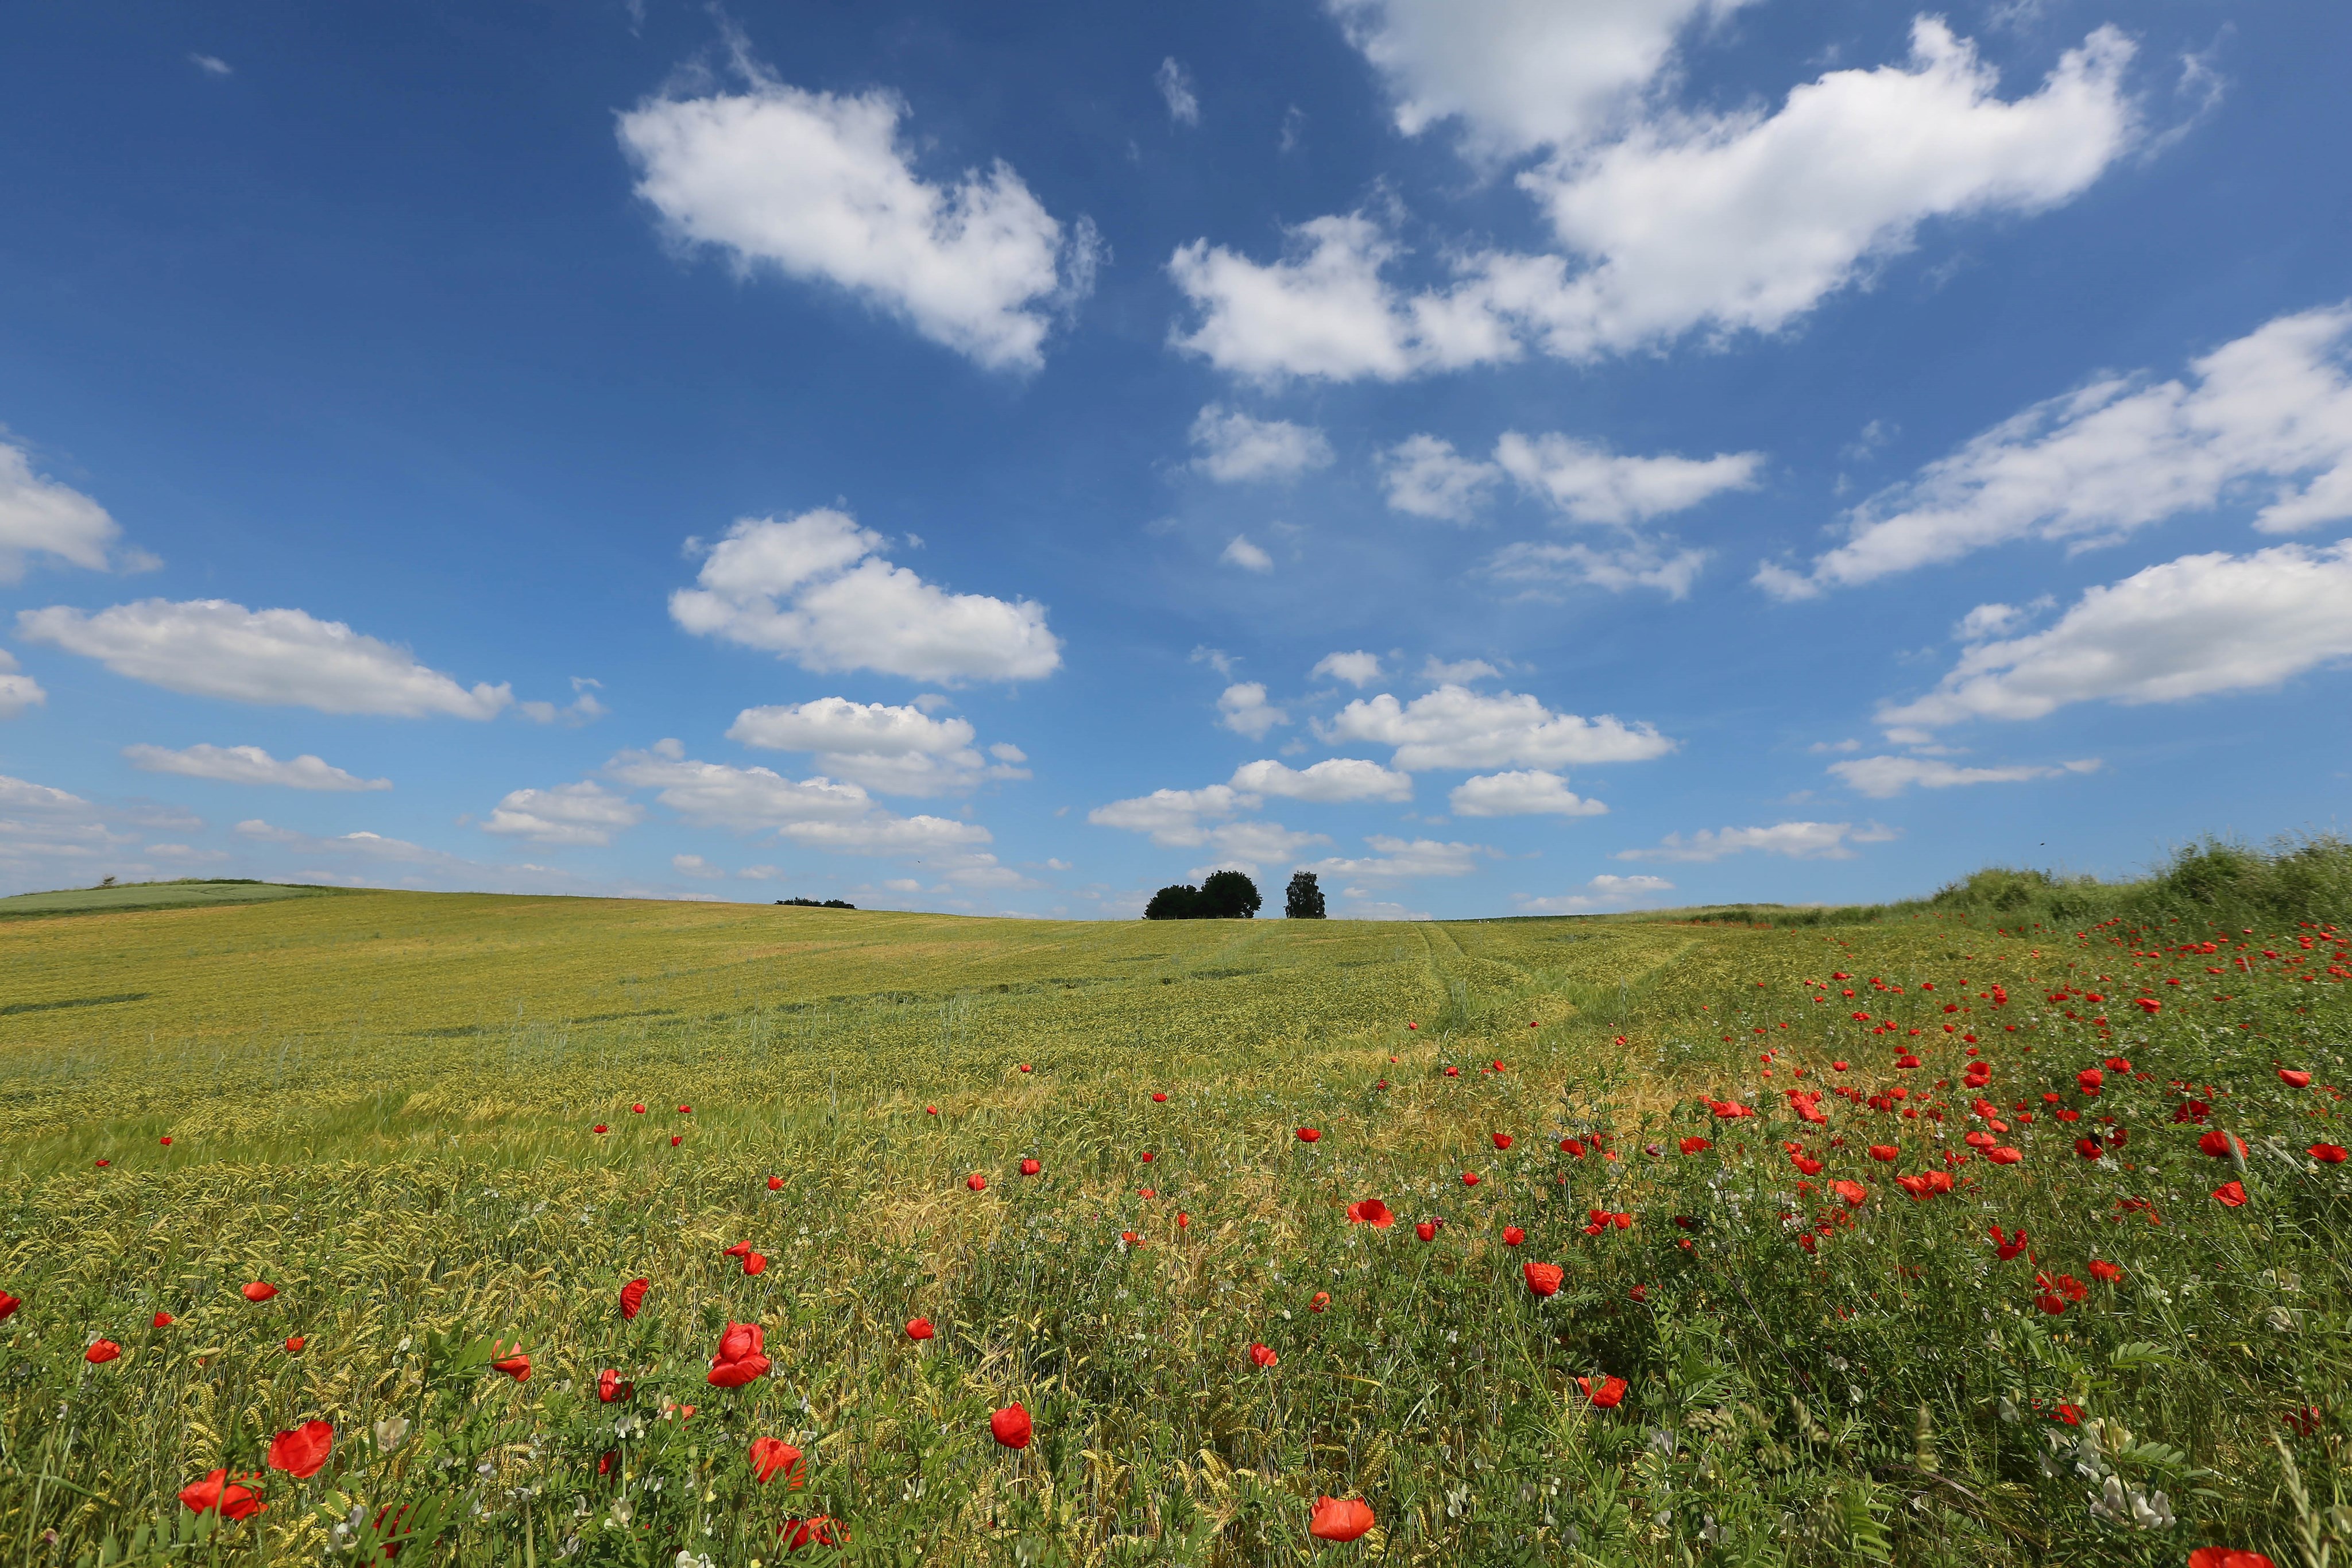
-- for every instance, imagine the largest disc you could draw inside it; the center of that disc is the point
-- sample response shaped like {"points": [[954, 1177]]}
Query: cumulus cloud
{"points": [[1798, 841], [46, 833], [583, 708], [1175, 84], [1436, 672], [1454, 726], [816, 589], [1881, 778], [18, 693], [1252, 846], [1246, 555], [212, 648], [1716, 223], [816, 813], [247, 765], [892, 750], [1604, 892], [2267, 417], [1517, 75], [1397, 860], [1241, 707], [1359, 669], [1175, 816], [1234, 446], [820, 187], [694, 866], [39, 516], [1529, 792], [1542, 567], [582, 813], [2186, 628], [1426, 477], [1588, 484], [1333, 779]]}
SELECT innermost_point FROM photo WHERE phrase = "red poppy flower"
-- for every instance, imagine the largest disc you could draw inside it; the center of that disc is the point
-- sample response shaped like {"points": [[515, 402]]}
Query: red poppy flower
{"points": [[1372, 1211], [2090, 1080], [1159, 1097], [2050, 1303], [1469, 1178], [1806, 1164], [260, 1291], [2227, 1557], [2218, 1144], [2325, 1154], [8, 1305], [599, 1127], [1309, 1135], [769, 1455], [1426, 1230], [103, 1164], [640, 1110], [517, 1367], [2105, 1271], [2230, 1195], [2294, 1078], [302, 1451], [1024, 1066], [1886, 1154], [2008, 1246], [1502, 1140], [822, 1530], [1010, 1426], [1453, 1073], [1029, 1167], [755, 1262], [101, 1352], [610, 1387], [977, 1182], [215, 1493], [1183, 1219], [1513, 1235], [2304, 1423], [1543, 1279], [1131, 1238], [1606, 1395], [1837, 1066], [1264, 1355], [920, 1329], [1693, 1145], [167, 1140], [685, 1110], [775, 1183], [1147, 1192], [930, 1110], [2089, 1148], [295, 1343], [1147, 1156], [738, 1359], [1852, 1192], [2148, 1005], [633, 1296], [1343, 1519], [2004, 1155]]}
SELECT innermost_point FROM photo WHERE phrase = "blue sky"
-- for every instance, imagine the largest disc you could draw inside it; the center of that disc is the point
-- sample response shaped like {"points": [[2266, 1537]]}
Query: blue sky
{"points": [[1508, 457]]}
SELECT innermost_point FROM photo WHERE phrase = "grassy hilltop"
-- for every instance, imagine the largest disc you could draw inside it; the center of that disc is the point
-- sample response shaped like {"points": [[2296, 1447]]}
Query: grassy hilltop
{"points": [[1750, 1146]]}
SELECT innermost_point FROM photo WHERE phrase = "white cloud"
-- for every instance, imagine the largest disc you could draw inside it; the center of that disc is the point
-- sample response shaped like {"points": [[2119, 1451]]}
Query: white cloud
{"points": [[1436, 672], [883, 834], [17, 693], [1604, 892], [815, 590], [1333, 779], [1401, 859], [1454, 726], [211, 65], [816, 813], [1361, 905], [1357, 669], [1529, 793], [894, 750], [1246, 555], [1242, 708], [1587, 484], [1881, 778], [1518, 73], [583, 708], [1642, 564], [2268, 416], [2186, 628], [1236, 447], [1732, 223], [1252, 846], [1798, 841], [582, 813], [1172, 817], [1175, 84], [1426, 477], [39, 516], [818, 187], [247, 765], [694, 865], [212, 648]]}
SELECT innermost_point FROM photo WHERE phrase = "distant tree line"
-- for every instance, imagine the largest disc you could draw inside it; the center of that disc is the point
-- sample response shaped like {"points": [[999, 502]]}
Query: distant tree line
{"points": [[813, 903], [1232, 895]]}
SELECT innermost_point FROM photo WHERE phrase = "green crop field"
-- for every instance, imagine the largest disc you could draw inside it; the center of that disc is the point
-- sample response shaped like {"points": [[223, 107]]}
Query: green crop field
{"points": [[1946, 1234]]}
